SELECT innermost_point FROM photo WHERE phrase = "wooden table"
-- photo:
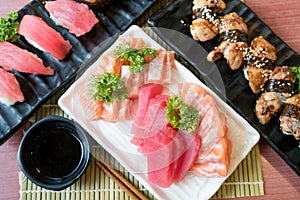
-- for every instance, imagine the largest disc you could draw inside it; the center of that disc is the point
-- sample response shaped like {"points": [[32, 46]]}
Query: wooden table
{"points": [[281, 182]]}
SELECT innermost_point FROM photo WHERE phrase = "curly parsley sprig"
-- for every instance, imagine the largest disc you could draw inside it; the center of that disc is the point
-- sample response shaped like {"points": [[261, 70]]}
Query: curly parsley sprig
{"points": [[107, 87], [9, 27], [135, 58], [182, 116]]}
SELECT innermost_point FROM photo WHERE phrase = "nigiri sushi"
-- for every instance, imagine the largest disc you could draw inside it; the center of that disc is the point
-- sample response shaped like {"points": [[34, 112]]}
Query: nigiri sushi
{"points": [[13, 57], [10, 91], [38, 33], [74, 16]]}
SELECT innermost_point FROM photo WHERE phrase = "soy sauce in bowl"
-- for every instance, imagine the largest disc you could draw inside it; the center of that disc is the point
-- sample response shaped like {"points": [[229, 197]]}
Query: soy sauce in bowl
{"points": [[54, 153], [51, 156]]}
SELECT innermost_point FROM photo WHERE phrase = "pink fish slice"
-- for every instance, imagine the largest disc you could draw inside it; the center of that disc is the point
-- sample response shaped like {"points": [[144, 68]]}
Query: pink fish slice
{"points": [[13, 57], [39, 34], [74, 16], [10, 91]]}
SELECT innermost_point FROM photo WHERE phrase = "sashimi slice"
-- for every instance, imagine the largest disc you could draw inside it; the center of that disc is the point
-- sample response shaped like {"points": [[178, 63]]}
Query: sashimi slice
{"points": [[154, 118], [10, 91], [13, 57], [146, 92], [187, 159], [134, 42], [211, 128], [38, 33], [159, 70], [74, 16], [216, 162], [132, 81]]}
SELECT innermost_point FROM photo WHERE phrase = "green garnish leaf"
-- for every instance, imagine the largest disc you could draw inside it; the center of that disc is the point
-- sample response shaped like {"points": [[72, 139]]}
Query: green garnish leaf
{"points": [[296, 71], [107, 87], [182, 116], [9, 27], [135, 58]]}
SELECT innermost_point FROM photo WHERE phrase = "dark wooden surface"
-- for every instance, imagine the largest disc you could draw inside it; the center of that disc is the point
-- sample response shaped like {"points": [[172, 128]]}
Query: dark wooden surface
{"points": [[283, 17]]}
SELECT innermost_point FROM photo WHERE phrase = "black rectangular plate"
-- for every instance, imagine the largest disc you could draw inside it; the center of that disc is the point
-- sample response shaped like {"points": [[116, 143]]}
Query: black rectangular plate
{"points": [[116, 18], [238, 92]]}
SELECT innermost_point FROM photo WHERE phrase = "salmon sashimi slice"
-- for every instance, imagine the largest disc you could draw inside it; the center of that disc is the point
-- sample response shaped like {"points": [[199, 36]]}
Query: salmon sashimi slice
{"points": [[132, 81], [117, 111], [76, 17], [217, 162], [211, 128], [10, 91], [13, 57], [38, 33], [215, 151], [134, 42], [159, 70]]}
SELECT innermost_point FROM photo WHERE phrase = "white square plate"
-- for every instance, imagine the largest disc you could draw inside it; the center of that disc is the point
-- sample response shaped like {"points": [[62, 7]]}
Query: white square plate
{"points": [[116, 140]]}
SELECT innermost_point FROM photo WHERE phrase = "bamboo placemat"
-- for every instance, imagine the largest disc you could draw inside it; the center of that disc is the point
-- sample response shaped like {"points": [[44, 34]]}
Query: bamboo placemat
{"points": [[246, 180]]}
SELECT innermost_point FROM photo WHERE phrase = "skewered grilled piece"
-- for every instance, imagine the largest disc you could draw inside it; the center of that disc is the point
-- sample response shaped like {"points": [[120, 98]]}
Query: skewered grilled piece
{"points": [[260, 61], [279, 88], [290, 117], [233, 35], [205, 24]]}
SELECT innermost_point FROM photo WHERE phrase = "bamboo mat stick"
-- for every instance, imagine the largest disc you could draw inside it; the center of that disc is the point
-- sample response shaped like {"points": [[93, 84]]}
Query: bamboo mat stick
{"points": [[124, 184]]}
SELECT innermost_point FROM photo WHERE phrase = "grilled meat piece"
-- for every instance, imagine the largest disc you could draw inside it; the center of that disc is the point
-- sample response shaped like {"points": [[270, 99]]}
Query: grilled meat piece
{"points": [[233, 31], [281, 81], [279, 88], [290, 117], [205, 24], [267, 106], [260, 61], [218, 5]]}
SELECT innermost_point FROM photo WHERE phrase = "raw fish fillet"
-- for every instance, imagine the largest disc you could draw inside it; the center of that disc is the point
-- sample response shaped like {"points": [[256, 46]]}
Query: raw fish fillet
{"points": [[214, 155], [13, 57], [38, 33], [170, 153], [74, 16], [10, 91]]}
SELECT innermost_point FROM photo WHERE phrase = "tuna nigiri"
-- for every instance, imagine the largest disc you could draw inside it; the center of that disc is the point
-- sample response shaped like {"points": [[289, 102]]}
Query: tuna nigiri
{"points": [[74, 16], [38, 33], [13, 57], [10, 91]]}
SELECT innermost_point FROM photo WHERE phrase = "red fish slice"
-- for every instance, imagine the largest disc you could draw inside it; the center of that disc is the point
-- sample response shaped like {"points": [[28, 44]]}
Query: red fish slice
{"points": [[74, 16], [13, 57], [10, 91], [38, 33]]}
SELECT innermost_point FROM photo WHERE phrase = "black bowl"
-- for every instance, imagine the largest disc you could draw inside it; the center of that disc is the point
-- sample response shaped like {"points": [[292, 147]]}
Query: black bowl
{"points": [[53, 153]]}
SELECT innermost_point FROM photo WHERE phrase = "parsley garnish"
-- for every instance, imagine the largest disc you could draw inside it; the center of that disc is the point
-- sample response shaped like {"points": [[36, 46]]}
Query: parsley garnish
{"points": [[107, 87], [135, 58], [9, 27], [296, 71], [182, 116]]}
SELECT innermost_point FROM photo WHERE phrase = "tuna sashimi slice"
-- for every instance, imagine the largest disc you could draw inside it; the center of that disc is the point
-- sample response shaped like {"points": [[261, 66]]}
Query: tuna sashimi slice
{"points": [[154, 118], [10, 91], [146, 92], [38, 33], [192, 145], [13, 57], [162, 164], [74, 16]]}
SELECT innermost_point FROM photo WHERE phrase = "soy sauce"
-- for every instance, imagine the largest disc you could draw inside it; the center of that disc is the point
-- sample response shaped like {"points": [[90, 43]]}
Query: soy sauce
{"points": [[57, 152]]}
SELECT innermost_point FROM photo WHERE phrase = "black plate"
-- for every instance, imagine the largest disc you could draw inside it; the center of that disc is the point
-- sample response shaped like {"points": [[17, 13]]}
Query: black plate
{"points": [[238, 92], [37, 89]]}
